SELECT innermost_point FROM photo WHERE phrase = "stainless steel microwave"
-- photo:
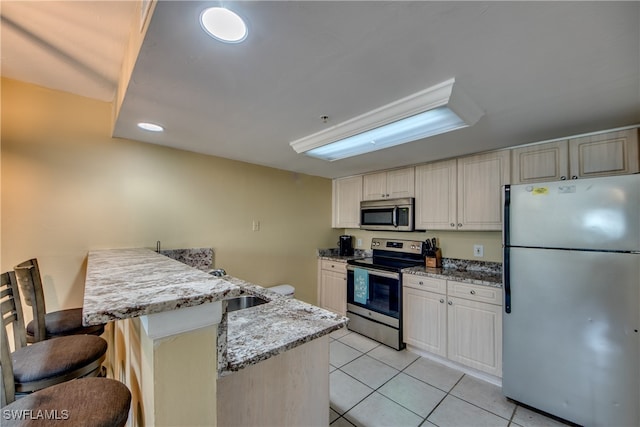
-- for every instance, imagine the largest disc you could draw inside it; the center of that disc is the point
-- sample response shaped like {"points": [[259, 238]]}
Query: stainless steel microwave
{"points": [[389, 214]]}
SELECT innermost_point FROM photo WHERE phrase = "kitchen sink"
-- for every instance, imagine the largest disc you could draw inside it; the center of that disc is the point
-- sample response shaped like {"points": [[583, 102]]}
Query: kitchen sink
{"points": [[244, 301]]}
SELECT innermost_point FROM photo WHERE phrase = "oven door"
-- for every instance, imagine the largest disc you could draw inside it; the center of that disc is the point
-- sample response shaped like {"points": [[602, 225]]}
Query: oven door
{"points": [[384, 300]]}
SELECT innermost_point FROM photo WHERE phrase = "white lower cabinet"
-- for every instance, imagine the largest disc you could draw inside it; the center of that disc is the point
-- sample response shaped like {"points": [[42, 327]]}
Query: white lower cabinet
{"points": [[332, 286], [425, 320], [454, 320]]}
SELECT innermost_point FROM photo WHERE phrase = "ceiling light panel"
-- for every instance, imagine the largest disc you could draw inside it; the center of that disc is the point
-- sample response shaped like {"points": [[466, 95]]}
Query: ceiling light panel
{"points": [[430, 112]]}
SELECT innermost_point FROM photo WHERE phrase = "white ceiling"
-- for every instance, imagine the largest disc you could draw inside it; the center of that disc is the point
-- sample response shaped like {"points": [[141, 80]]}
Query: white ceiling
{"points": [[539, 70]]}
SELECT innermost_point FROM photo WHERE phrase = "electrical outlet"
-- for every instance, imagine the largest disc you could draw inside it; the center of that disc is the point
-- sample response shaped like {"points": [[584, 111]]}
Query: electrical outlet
{"points": [[255, 225], [359, 243], [478, 251]]}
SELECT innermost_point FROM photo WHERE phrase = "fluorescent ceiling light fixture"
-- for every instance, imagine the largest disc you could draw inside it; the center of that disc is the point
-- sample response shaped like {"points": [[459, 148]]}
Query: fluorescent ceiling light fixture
{"points": [[150, 127], [433, 111], [223, 24]]}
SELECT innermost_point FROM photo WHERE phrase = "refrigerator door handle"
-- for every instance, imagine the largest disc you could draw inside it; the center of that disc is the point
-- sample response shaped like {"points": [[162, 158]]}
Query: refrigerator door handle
{"points": [[506, 276]]}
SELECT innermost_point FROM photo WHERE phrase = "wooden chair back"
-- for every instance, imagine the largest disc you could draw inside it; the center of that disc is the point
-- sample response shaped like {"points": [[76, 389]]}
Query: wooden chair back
{"points": [[11, 311], [30, 282]]}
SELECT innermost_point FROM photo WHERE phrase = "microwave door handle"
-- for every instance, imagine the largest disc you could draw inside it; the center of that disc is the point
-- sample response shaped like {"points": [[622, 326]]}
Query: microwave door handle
{"points": [[395, 216]]}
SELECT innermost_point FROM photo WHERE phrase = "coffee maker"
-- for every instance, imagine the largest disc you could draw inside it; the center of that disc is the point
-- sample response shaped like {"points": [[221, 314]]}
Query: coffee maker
{"points": [[345, 245]]}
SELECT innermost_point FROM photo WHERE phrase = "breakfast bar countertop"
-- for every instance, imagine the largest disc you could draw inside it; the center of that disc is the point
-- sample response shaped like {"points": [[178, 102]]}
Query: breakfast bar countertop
{"points": [[128, 283]]}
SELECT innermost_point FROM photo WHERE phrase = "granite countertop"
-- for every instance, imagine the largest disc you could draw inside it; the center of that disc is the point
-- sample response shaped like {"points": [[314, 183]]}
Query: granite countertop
{"points": [[333, 254], [258, 333], [127, 283], [467, 276], [462, 270], [467, 271]]}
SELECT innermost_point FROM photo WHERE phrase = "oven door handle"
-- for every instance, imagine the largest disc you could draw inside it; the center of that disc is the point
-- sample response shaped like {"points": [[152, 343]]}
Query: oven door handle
{"points": [[374, 272]]}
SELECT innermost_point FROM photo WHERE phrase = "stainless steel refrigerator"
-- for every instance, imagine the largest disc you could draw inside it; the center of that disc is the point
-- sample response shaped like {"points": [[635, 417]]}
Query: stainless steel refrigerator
{"points": [[571, 316]]}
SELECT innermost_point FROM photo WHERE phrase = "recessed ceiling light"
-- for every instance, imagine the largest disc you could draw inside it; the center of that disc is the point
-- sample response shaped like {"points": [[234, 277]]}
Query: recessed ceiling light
{"points": [[223, 24], [150, 127]]}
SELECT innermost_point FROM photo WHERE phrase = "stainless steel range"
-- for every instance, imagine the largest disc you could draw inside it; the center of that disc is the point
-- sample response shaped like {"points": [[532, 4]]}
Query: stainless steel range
{"points": [[374, 289]]}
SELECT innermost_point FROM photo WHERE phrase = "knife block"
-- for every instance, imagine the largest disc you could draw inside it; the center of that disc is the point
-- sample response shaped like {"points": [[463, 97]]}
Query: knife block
{"points": [[433, 259]]}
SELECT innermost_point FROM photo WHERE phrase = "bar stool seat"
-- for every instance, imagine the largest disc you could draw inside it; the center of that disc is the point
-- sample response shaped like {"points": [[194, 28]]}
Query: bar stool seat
{"points": [[85, 402], [42, 364], [56, 357], [48, 325], [62, 323]]}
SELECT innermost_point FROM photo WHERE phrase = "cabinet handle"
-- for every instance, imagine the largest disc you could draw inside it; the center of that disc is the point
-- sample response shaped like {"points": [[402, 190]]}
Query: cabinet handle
{"points": [[459, 224], [453, 225], [421, 282], [441, 300], [574, 177], [386, 195], [450, 302], [563, 178], [472, 292]]}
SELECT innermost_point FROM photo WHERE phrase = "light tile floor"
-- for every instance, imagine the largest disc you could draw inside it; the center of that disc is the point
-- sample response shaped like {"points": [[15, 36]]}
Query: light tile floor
{"points": [[373, 385]]}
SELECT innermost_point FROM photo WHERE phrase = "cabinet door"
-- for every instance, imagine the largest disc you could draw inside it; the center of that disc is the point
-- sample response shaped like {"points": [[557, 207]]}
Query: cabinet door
{"points": [[333, 291], [374, 186], [614, 153], [474, 335], [347, 194], [401, 183], [436, 187], [425, 320], [543, 162], [480, 181]]}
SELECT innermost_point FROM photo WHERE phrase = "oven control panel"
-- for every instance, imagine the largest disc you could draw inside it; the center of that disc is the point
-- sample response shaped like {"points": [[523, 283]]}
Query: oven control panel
{"points": [[406, 246]]}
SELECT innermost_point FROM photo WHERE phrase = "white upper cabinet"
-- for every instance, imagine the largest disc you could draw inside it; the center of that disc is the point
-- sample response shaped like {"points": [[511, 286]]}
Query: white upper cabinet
{"points": [[466, 193], [480, 181], [614, 153], [391, 184], [462, 194], [544, 162], [347, 194], [436, 192], [605, 154]]}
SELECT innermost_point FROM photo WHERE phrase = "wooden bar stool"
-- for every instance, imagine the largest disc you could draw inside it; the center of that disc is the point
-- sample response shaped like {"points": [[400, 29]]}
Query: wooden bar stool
{"points": [[85, 402], [48, 325], [48, 362]]}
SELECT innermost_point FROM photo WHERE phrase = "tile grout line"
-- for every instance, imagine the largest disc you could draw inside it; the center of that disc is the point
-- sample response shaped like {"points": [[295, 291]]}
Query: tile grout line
{"points": [[510, 420], [399, 371], [447, 393]]}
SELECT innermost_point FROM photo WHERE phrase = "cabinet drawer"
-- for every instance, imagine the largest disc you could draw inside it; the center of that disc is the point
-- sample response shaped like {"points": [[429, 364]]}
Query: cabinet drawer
{"points": [[334, 265], [425, 283], [480, 293]]}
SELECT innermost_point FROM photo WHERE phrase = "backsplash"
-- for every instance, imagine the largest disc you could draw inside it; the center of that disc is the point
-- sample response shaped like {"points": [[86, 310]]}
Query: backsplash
{"points": [[334, 252], [200, 258], [469, 265]]}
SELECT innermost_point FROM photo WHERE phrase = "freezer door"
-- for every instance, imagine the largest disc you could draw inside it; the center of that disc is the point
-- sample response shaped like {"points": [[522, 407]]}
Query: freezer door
{"points": [[570, 343], [596, 213]]}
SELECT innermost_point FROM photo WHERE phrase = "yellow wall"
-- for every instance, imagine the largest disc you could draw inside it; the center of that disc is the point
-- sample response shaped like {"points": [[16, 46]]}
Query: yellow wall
{"points": [[68, 187]]}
